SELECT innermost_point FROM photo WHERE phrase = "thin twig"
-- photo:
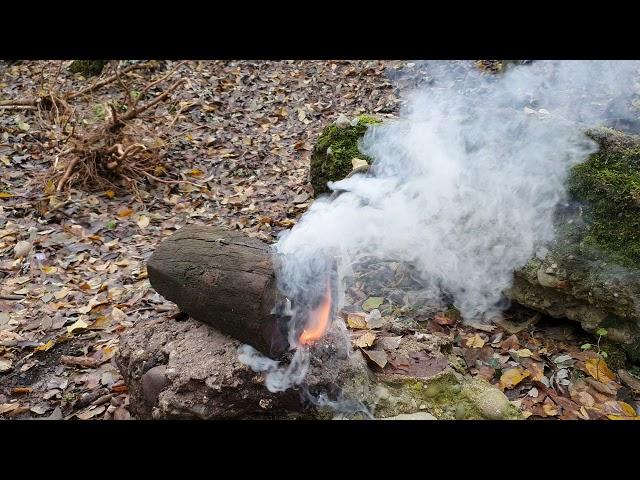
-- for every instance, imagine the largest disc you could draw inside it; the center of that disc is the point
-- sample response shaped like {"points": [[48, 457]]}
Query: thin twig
{"points": [[170, 182]]}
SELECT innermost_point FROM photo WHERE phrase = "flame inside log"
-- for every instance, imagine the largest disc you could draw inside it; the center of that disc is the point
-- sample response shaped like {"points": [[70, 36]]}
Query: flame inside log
{"points": [[318, 320]]}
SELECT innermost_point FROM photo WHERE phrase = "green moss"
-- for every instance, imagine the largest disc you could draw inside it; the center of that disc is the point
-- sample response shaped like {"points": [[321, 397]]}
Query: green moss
{"points": [[609, 183], [332, 154], [88, 68]]}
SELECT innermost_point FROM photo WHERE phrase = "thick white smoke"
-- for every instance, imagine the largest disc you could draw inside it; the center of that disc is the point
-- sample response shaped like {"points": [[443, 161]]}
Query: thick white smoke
{"points": [[464, 184]]}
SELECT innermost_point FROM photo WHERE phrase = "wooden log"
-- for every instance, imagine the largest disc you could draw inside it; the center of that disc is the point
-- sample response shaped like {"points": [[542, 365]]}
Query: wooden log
{"points": [[222, 278]]}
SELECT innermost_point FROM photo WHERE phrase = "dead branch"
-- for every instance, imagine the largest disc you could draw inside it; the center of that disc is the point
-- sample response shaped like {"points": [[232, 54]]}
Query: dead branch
{"points": [[156, 82], [33, 102], [134, 113], [17, 107], [83, 362], [169, 182], [108, 80]]}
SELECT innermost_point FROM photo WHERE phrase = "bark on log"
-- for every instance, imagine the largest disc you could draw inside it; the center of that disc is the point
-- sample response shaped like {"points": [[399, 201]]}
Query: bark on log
{"points": [[222, 278]]}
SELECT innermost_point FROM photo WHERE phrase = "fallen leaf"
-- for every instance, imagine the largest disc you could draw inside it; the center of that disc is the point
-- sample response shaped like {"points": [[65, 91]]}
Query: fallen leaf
{"points": [[389, 343], [46, 346], [87, 414], [60, 294], [110, 194], [475, 342], [616, 410], [143, 221], [124, 212], [372, 303], [512, 377], [379, 357], [444, 320], [78, 325], [598, 369], [6, 195], [510, 343], [8, 407], [365, 340], [49, 270], [357, 320], [524, 353], [374, 319], [550, 409], [5, 365]]}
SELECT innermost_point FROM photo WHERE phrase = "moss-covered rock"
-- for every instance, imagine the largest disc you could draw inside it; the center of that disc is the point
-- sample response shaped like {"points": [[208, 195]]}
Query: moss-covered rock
{"points": [[88, 68], [447, 396], [592, 272], [609, 183], [336, 147]]}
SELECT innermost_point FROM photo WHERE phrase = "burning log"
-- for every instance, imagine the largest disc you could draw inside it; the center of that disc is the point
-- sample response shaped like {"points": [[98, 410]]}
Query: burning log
{"points": [[222, 278]]}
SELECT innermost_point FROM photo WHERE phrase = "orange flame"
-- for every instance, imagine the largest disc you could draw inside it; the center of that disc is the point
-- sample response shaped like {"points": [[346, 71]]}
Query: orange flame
{"points": [[318, 320]]}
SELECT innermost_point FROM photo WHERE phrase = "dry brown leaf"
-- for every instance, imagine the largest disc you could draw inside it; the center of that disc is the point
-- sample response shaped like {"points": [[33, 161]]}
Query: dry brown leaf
{"points": [[379, 357], [365, 340], [444, 320]]}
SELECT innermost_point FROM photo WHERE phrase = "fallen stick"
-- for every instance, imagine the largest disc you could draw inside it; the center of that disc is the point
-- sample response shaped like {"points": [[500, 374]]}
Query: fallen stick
{"points": [[84, 362]]}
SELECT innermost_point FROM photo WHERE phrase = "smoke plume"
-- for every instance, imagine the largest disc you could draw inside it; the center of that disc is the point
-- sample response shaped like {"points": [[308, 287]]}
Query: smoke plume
{"points": [[463, 185]]}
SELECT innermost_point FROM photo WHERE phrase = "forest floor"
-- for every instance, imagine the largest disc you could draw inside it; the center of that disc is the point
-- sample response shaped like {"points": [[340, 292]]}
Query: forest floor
{"points": [[230, 146]]}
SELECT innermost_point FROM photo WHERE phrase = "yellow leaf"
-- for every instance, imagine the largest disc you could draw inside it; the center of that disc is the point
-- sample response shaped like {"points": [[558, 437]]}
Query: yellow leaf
{"points": [[357, 320], [475, 342], [49, 270], [46, 346], [124, 212], [78, 325], [195, 172], [365, 340], [616, 410], [513, 377], [6, 195], [550, 409], [110, 193], [599, 370], [524, 353], [60, 294], [50, 187]]}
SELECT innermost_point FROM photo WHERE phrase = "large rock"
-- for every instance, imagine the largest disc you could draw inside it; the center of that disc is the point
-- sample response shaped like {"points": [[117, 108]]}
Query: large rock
{"points": [[188, 370], [591, 274]]}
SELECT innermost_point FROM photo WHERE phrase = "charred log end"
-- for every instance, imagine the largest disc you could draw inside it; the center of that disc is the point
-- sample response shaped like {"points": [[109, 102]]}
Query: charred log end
{"points": [[222, 278]]}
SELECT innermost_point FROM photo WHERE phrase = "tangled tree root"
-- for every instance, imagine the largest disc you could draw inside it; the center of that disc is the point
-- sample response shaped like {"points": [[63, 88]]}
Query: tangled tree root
{"points": [[108, 153]]}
